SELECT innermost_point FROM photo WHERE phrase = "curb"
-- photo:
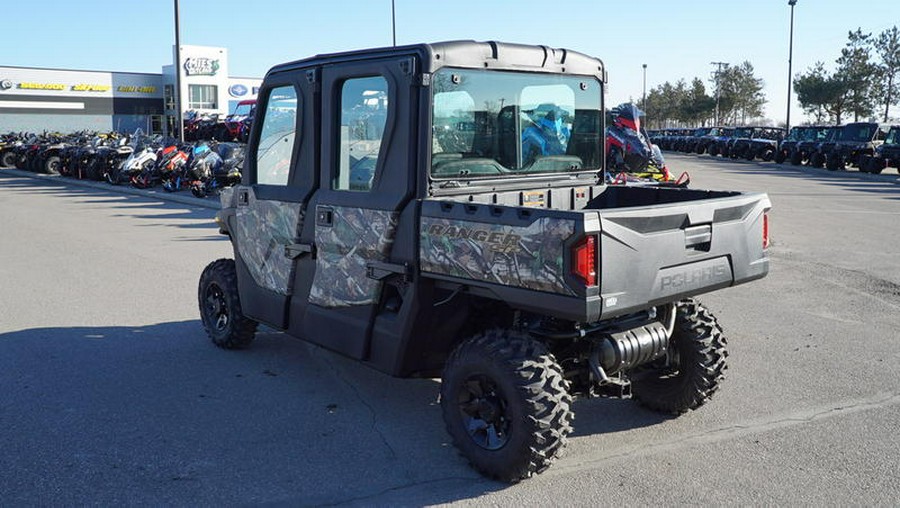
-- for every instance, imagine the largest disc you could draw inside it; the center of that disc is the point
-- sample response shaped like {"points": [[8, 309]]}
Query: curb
{"points": [[121, 189]]}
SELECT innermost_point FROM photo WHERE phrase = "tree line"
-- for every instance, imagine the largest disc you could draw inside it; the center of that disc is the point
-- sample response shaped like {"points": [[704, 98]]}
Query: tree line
{"points": [[865, 82], [736, 94]]}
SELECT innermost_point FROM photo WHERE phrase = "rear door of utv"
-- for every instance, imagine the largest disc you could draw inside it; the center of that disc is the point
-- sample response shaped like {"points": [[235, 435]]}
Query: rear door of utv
{"points": [[366, 179], [281, 165]]}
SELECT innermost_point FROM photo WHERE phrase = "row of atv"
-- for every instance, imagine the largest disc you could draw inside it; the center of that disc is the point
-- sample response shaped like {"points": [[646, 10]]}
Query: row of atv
{"points": [[143, 161], [871, 147], [234, 127], [868, 146], [748, 143]]}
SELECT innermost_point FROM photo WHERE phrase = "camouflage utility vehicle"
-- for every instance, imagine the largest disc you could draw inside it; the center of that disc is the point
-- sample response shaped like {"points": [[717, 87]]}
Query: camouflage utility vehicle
{"points": [[440, 210]]}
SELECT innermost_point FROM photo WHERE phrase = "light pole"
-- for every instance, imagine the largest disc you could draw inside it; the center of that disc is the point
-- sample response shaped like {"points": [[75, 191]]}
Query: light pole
{"points": [[179, 116], [394, 22], [644, 99], [787, 122]]}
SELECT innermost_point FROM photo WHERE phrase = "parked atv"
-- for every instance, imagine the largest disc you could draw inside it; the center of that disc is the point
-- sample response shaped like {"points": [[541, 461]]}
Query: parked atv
{"points": [[519, 277], [820, 148], [855, 140], [886, 155], [764, 143]]}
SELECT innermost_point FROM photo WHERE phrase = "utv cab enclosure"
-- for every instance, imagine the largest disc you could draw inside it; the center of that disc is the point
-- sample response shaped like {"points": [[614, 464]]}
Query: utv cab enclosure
{"points": [[440, 210]]}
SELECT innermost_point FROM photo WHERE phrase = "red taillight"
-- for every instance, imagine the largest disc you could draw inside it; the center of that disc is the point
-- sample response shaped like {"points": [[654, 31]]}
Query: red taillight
{"points": [[584, 260], [765, 237]]}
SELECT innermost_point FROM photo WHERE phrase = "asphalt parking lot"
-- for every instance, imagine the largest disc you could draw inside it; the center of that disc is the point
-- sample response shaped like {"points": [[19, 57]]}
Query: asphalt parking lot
{"points": [[112, 394]]}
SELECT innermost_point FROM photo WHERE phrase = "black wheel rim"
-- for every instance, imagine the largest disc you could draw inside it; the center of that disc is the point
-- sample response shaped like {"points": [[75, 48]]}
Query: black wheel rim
{"points": [[483, 411], [216, 307]]}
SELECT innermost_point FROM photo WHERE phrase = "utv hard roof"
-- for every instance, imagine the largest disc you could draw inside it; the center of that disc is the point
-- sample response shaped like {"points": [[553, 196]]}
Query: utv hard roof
{"points": [[469, 54]]}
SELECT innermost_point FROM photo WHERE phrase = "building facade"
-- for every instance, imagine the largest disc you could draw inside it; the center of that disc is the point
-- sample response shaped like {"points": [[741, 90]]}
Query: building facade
{"points": [[63, 100]]}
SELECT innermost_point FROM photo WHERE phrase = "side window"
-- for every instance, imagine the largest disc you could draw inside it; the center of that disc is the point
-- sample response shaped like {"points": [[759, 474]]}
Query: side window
{"points": [[364, 109], [276, 141]]}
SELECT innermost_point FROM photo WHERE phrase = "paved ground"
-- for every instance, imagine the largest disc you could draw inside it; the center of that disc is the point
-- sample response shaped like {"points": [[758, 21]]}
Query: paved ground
{"points": [[110, 393]]}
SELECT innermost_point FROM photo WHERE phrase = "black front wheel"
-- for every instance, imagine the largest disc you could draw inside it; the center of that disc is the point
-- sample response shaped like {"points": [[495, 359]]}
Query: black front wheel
{"points": [[691, 372], [506, 404], [51, 165], [8, 159], [220, 307]]}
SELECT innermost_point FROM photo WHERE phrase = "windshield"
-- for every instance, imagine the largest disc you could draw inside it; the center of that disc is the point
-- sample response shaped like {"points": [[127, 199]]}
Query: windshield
{"points": [[504, 124], [243, 109], [893, 136], [858, 133]]}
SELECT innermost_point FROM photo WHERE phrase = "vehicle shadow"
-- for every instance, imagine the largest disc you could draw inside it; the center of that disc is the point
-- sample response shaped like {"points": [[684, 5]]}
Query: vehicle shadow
{"points": [[154, 207], [158, 414]]}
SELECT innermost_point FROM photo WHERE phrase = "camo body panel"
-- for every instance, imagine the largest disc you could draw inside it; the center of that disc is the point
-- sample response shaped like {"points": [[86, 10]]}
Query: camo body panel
{"points": [[528, 257], [264, 227], [356, 237], [226, 198]]}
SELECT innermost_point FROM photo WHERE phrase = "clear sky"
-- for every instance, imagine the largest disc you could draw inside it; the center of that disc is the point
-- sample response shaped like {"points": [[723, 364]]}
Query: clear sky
{"points": [[676, 39]]}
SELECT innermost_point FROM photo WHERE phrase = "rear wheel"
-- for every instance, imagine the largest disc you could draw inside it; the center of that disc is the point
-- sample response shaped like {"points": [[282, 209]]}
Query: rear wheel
{"points": [[691, 372], [816, 160], [220, 307], [506, 404], [8, 160], [51, 165], [780, 157], [876, 165]]}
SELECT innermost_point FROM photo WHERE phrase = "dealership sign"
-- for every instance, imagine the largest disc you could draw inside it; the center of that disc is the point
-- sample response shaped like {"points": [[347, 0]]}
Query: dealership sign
{"points": [[201, 66], [238, 90]]}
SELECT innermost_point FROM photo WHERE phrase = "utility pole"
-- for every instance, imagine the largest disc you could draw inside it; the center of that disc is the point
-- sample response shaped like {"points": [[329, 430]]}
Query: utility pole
{"points": [[719, 67]]}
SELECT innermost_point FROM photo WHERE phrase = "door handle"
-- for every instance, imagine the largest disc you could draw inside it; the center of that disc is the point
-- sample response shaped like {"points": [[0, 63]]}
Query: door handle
{"points": [[324, 216]]}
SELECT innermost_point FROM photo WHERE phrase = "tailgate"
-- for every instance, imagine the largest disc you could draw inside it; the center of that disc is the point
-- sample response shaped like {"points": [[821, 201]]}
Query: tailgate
{"points": [[660, 253]]}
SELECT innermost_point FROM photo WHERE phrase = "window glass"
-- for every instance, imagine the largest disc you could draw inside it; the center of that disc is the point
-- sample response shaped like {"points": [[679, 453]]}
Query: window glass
{"points": [[203, 97], [364, 108], [503, 124], [893, 137], [276, 139]]}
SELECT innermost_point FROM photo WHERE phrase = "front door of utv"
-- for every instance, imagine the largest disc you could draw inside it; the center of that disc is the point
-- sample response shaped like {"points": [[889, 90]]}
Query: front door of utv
{"points": [[365, 182], [269, 211]]}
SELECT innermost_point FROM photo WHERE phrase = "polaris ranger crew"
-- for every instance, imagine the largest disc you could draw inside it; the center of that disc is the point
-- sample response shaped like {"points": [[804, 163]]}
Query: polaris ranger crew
{"points": [[440, 210]]}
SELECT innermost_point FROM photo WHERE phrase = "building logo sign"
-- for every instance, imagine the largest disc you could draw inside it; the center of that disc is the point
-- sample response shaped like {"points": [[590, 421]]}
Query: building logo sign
{"points": [[237, 90], [5, 84], [42, 86], [90, 88], [136, 89], [201, 67]]}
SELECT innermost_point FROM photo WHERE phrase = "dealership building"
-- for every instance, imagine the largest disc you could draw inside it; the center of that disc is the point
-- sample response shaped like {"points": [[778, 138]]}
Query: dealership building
{"points": [[63, 100]]}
